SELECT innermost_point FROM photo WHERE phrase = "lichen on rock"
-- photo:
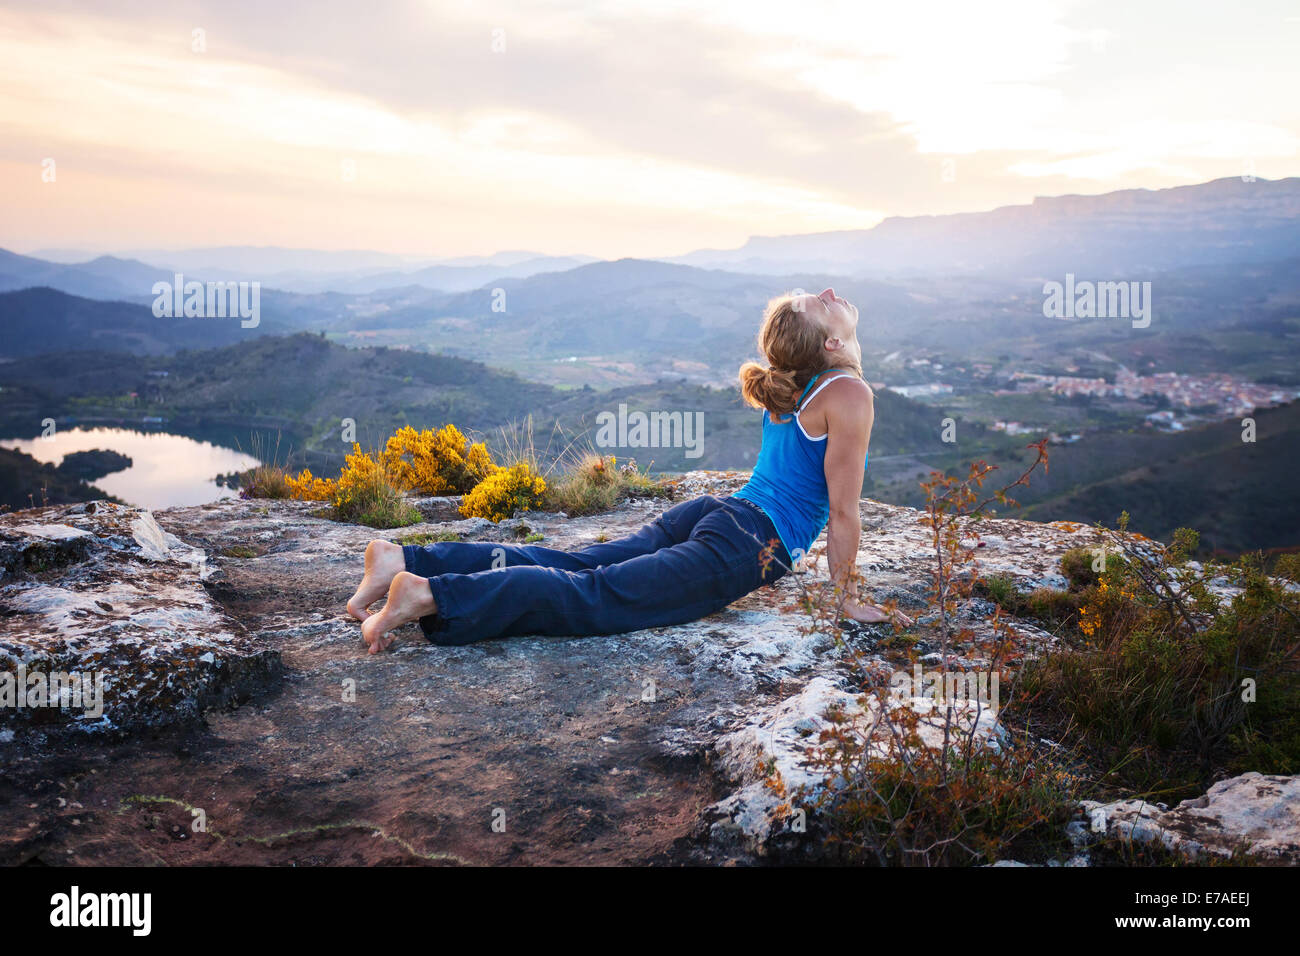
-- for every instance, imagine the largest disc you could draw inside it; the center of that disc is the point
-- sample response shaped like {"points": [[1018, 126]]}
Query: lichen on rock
{"points": [[1255, 814], [99, 597]]}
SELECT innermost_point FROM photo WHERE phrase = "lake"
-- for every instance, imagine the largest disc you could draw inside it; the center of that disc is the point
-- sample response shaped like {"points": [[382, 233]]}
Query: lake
{"points": [[166, 470]]}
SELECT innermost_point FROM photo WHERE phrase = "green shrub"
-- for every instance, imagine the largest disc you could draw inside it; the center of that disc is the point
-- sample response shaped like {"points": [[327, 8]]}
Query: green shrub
{"points": [[1055, 609], [912, 805], [428, 537], [1076, 565], [265, 481], [590, 483], [1288, 566], [1154, 686]]}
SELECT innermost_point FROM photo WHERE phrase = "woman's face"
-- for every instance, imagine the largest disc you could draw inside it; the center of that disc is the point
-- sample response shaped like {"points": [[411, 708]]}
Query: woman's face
{"points": [[839, 317]]}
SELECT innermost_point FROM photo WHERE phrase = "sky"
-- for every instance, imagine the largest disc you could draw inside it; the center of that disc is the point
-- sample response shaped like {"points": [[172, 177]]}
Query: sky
{"points": [[611, 127]]}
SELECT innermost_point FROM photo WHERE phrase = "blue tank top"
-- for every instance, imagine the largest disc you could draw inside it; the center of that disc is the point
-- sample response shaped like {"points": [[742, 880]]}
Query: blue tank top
{"points": [[789, 479]]}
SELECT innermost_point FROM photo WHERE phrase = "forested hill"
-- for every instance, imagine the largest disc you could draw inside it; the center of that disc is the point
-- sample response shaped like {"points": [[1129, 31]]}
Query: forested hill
{"points": [[1239, 495], [307, 387]]}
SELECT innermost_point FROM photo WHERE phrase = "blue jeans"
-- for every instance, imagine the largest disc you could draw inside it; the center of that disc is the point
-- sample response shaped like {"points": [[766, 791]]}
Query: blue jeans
{"points": [[694, 559]]}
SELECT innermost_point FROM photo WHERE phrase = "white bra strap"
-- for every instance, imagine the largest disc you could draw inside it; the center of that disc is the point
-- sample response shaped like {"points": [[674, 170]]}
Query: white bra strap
{"points": [[819, 388]]}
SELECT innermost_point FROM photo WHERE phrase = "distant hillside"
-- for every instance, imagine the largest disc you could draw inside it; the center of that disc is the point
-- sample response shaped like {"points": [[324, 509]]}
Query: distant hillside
{"points": [[103, 278], [446, 278], [300, 271], [1110, 235], [41, 320], [629, 319], [271, 262], [305, 387], [36, 321], [612, 323], [1239, 495], [258, 260]]}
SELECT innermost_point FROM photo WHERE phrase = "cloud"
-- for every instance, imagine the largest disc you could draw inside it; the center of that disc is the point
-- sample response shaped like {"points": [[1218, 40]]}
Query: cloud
{"points": [[628, 127]]}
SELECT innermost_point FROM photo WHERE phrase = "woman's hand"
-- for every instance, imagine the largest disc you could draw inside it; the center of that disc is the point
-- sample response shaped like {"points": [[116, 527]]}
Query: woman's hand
{"points": [[869, 613]]}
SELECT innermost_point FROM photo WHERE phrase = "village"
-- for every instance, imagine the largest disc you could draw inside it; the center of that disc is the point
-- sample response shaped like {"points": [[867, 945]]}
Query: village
{"points": [[1216, 394]]}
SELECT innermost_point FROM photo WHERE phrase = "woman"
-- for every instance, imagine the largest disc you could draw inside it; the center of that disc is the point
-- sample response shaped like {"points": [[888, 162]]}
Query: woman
{"points": [[698, 556]]}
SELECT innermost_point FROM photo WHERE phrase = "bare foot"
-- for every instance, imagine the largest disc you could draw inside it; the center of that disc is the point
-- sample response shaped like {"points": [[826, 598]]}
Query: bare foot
{"points": [[384, 561], [409, 598], [869, 613]]}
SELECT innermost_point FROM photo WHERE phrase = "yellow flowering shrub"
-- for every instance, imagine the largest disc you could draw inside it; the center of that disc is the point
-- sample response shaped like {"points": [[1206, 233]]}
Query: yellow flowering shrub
{"points": [[361, 474], [307, 487], [365, 493], [504, 492], [1112, 609], [441, 462]]}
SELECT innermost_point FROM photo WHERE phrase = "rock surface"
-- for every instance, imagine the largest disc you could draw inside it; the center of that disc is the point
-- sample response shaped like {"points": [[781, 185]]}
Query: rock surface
{"points": [[101, 593], [300, 748], [1254, 813], [753, 817]]}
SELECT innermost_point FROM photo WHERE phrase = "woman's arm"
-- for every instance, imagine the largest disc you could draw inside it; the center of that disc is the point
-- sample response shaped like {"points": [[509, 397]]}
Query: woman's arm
{"points": [[849, 416], [848, 433]]}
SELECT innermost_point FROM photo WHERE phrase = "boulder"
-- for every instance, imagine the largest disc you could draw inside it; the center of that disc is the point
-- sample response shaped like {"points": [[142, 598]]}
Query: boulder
{"points": [[1255, 814], [107, 627]]}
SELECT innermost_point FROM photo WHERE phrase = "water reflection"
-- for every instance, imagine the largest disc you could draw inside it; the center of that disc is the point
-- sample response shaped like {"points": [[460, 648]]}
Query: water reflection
{"points": [[166, 470]]}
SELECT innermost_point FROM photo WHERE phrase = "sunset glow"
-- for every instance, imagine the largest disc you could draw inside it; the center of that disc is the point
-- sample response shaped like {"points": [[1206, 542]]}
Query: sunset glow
{"points": [[629, 128]]}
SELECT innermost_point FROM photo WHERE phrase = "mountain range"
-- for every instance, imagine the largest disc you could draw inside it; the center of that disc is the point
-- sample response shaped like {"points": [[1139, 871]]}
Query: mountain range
{"points": [[1111, 235], [304, 271], [1114, 235]]}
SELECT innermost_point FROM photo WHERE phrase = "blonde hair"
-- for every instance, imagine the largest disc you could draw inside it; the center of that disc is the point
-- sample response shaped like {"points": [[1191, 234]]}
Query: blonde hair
{"points": [[793, 343]]}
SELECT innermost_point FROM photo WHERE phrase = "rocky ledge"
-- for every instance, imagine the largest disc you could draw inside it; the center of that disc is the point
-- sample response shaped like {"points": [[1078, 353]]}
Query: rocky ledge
{"points": [[1255, 815], [107, 625], [243, 723]]}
